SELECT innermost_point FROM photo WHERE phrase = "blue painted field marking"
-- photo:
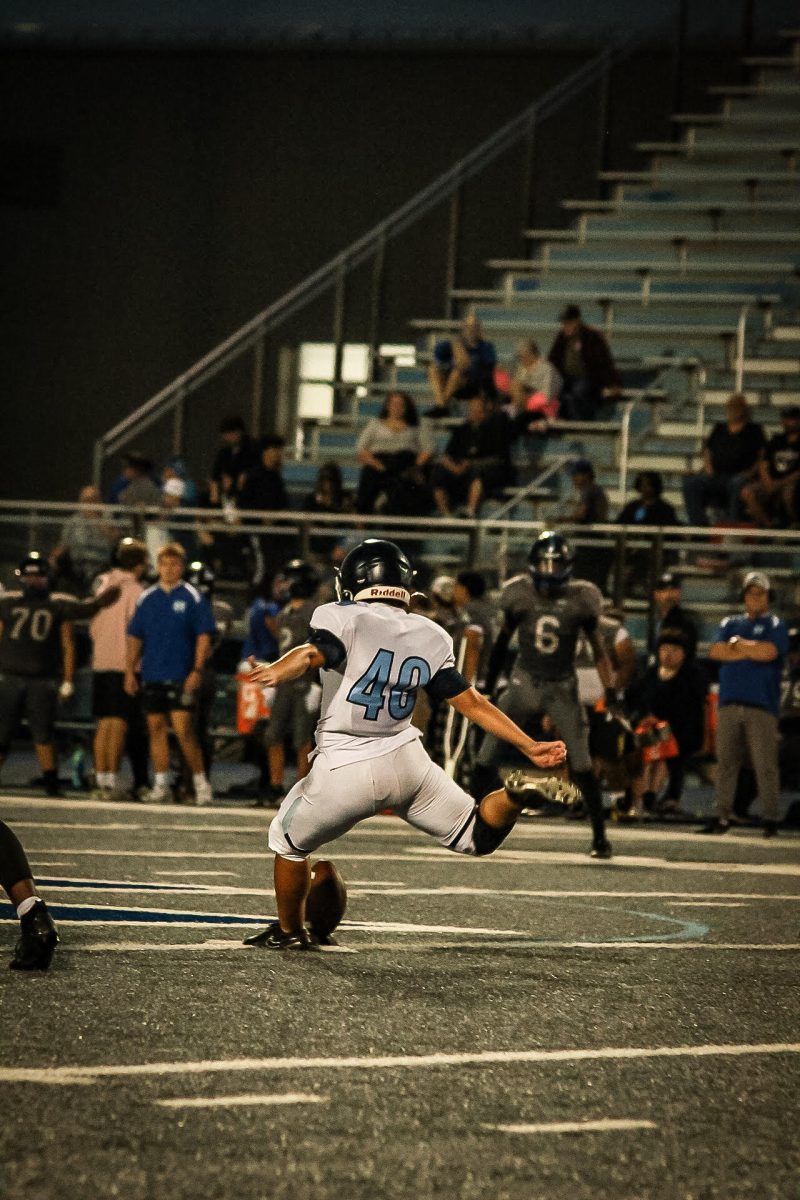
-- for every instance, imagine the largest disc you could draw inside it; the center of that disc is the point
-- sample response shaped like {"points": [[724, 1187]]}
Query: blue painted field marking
{"points": [[86, 915]]}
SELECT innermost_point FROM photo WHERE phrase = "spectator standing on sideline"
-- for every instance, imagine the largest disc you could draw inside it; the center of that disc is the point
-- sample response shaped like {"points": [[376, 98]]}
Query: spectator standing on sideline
{"points": [[114, 709], [394, 449], [237, 455], [772, 498], [583, 359], [751, 649], [84, 547], [669, 614], [476, 461], [296, 703], [469, 596], [730, 457], [38, 937], [170, 637], [37, 650], [462, 367]]}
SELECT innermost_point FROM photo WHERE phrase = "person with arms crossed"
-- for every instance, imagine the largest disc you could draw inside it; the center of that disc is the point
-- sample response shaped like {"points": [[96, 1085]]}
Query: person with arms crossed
{"points": [[374, 656], [751, 649], [170, 636]]}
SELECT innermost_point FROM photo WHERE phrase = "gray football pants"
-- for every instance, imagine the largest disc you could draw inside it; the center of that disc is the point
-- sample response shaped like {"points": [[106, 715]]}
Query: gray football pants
{"points": [[558, 698], [744, 731]]}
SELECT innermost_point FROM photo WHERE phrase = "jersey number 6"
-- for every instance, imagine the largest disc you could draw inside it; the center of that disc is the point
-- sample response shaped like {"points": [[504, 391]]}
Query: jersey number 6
{"points": [[369, 692]]}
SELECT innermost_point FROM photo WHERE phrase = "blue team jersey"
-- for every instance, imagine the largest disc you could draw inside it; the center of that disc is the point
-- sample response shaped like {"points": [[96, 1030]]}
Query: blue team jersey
{"points": [[748, 682], [260, 642], [169, 624]]}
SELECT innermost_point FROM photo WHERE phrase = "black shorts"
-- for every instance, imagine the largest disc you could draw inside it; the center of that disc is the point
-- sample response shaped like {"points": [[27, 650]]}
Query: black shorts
{"points": [[109, 698], [39, 699], [166, 697]]}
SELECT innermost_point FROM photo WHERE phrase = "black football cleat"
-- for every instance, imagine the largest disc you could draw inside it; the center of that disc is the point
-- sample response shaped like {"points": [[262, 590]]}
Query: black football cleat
{"points": [[275, 938], [530, 792], [601, 848], [769, 829], [716, 825], [37, 941], [322, 939]]}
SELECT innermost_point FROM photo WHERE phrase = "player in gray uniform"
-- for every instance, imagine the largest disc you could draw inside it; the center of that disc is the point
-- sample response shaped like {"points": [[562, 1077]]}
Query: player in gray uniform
{"points": [[294, 711], [549, 610], [375, 656]]}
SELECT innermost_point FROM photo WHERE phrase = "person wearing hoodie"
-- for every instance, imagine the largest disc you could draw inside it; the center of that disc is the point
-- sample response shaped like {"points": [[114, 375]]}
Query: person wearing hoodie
{"points": [[114, 710]]}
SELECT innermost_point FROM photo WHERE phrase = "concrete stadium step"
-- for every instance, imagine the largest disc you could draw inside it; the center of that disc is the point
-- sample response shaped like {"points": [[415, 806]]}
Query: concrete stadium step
{"points": [[785, 333], [709, 239], [767, 274], [664, 206], [528, 292], [778, 88], [677, 463], [764, 398], [710, 219], [747, 118], [689, 175], [772, 366], [704, 144]]}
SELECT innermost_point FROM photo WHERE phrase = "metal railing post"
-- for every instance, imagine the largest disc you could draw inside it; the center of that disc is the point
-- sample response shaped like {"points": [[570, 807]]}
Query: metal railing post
{"points": [[741, 329], [453, 238], [625, 449], [259, 355], [178, 420], [339, 293], [98, 461], [376, 305], [528, 152]]}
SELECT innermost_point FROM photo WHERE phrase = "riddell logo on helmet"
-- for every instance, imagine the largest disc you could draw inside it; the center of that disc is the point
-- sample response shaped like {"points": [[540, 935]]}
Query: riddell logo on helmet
{"points": [[384, 593]]}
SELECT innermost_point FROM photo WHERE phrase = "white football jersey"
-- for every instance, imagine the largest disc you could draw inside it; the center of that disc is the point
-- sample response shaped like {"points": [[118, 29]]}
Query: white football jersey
{"points": [[368, 699]]}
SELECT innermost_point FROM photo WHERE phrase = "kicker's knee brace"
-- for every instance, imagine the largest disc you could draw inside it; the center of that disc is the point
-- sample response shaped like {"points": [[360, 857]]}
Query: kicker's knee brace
{"points": [[14, 865]]}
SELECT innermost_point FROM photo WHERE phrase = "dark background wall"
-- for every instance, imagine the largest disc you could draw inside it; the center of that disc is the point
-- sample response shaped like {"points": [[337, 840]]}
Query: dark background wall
{"points": [[151, 201]]}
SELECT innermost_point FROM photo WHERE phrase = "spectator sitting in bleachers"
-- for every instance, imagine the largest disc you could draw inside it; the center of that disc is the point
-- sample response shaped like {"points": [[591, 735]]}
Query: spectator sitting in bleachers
{"points": [[649, 507], [730, 456], [328, 496], [476, 462], [462, 367], [237, 455], [534, 391], [583, 359], [394, 449], [175, 468], [140, 489], [264, 490], [590, 503], [772, 498], [85, 545]]}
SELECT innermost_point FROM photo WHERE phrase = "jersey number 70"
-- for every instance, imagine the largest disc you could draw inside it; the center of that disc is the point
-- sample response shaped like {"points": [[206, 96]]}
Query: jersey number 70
{"points": [[369, 692]]}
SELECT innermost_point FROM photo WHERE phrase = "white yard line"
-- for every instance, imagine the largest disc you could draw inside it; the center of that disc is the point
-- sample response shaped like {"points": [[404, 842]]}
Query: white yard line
{"points": [[504, 858], [521, 943], [607, 1125], [409, 1062], [249, 1099]]}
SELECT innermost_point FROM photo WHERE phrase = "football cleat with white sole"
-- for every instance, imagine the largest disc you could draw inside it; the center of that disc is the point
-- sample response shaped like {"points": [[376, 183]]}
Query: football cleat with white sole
{"points": [[275, 938], [157, 795], [529, 792]]}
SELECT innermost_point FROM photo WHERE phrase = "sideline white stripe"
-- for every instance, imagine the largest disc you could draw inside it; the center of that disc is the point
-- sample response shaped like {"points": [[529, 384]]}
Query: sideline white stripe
{"points": [[483, 1058], [607, 1125], [705, 904], [247, 1099], [216, 944], [502, 858]]}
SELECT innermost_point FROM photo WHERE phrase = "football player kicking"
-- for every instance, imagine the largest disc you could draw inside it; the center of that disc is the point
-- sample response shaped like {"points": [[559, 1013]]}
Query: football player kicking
{"points": [[38, 936], [549, 609], [374, 656]]}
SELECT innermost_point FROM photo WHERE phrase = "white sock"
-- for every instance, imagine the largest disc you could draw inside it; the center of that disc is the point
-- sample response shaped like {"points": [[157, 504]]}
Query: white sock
{"points": [[102, 779], [111, 780], [162, 779], [200, 780], [27, 905]]}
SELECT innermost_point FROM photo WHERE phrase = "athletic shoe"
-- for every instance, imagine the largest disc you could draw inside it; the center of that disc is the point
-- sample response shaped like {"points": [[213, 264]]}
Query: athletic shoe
{"points": [[770, 829], [601, 848], [203, 794], [156, 795], [716, 825], [101, 793], [533, 793], [37, 941], [274, 938]]}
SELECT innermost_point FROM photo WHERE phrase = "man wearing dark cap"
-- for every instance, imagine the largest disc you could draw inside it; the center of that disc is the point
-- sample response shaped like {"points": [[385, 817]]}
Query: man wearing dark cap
{"points": [[771, 499], [669, 615], [751, 649], [582, 357], [141, 489]]}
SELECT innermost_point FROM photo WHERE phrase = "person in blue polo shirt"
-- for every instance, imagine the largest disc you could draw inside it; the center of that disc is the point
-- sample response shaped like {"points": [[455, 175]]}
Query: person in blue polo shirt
{"points": [[751, 648], [169, 640]]}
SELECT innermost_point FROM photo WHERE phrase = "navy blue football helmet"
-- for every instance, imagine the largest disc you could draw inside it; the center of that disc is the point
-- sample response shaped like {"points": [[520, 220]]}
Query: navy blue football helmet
{"points": [[550, 561], [33, 571], [298, 580], [376, 570]]}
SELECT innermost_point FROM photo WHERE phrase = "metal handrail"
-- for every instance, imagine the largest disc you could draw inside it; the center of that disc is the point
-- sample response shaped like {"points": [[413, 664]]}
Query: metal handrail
{"points": [[361, 249]]}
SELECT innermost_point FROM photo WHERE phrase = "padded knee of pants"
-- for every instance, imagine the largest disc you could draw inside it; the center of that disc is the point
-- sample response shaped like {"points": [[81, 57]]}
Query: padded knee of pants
{"points": [[485, 838], [14, 865]]}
